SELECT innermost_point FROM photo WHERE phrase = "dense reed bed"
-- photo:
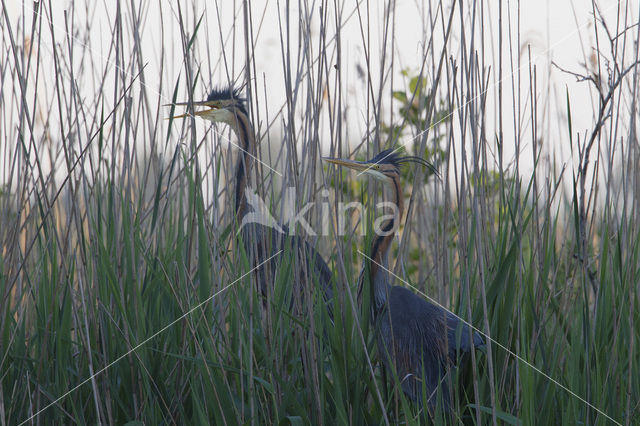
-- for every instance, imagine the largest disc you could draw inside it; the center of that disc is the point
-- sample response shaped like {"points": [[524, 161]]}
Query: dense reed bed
{"points": [[126, 297]]}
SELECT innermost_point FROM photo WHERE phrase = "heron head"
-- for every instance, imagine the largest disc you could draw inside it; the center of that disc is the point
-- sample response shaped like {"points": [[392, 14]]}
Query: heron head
{"points": [[223, 106], [384, 167]]}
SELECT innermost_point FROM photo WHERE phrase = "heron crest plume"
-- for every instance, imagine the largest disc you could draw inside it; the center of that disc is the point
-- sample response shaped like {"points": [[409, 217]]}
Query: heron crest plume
{"points": [[393, 157], [230, 94]]}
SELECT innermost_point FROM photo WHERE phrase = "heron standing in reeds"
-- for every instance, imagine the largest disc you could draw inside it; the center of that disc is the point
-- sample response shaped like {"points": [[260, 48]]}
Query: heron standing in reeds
{"points": [[419, 339], [261, 242]]}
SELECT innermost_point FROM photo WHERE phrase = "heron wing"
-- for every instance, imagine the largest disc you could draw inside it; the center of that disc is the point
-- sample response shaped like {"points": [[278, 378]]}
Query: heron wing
{"points": [[269, 241], [459, 337], [417, 335]]}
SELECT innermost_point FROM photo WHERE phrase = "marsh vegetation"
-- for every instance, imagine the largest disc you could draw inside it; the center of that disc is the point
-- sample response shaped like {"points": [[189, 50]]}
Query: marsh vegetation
{"points": [[126, 295]]}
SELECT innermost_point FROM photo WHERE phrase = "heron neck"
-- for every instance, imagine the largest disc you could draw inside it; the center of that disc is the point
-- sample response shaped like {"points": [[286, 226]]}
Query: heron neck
{"points": [[244, 132], [379, 276]]}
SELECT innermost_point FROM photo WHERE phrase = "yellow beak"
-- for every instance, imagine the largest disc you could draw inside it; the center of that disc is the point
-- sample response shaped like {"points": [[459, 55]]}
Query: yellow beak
{"points": [[211, 104], [356, 165]]}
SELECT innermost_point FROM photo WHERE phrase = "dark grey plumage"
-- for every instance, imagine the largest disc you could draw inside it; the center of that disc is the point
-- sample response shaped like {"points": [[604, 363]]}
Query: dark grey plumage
{"points": [[262, 242], [418, 335], [310, 269], [418, 339]]}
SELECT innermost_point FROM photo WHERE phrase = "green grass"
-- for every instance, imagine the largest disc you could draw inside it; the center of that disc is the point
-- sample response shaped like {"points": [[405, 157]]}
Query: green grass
{"points": [[126, 296], [228, 359]]}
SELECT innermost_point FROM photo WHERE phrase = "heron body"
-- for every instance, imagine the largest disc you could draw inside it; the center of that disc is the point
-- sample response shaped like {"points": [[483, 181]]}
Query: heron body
{"points": [[418, 339], [310, 269], [261, 242]]}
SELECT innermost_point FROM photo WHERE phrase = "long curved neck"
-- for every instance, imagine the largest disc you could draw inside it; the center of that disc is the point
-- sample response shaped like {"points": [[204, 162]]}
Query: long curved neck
{"points": [[244, 131], [379, 277]]}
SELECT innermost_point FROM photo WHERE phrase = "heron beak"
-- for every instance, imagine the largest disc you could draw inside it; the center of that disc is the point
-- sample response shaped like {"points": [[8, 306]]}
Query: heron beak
{"points": [[211, 104], [364, 167], [355, 165]]}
